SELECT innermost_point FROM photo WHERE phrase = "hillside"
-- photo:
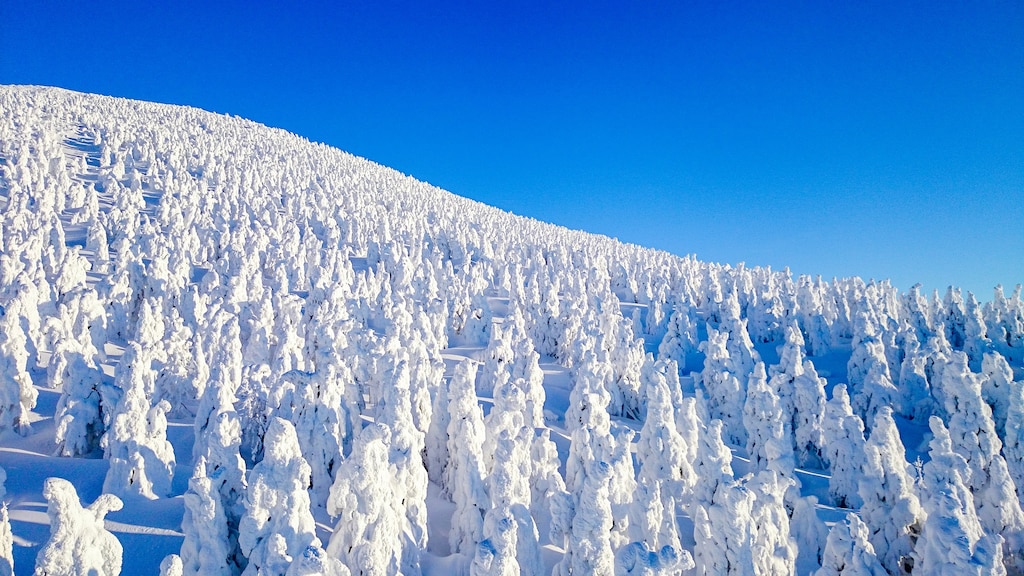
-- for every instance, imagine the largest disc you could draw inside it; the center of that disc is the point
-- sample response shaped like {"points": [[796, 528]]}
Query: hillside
{"points": [[263, 355]]}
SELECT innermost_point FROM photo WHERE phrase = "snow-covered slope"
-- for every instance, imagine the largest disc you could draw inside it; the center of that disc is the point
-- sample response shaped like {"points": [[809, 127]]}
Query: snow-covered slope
{"points": [[245, 352]]}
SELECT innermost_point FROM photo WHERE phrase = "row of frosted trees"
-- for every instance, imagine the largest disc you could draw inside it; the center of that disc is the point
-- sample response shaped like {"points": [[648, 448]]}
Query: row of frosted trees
{"points": [[282, 294]]}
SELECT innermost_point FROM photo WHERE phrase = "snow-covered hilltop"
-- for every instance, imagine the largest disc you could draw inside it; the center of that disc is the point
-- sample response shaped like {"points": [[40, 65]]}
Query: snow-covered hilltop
{"points": [[253, 354]]}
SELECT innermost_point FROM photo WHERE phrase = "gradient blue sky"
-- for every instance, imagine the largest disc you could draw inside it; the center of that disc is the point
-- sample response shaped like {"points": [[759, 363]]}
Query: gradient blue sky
{"points": [[879, 139]]}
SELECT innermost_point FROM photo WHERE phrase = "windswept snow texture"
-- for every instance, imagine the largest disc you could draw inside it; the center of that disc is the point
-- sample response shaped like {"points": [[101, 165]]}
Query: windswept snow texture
{"points": [[255, 354]]}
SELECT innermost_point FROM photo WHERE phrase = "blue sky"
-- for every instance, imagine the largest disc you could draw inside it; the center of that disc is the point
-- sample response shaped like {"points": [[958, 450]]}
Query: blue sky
{"points": [[879, 139]]}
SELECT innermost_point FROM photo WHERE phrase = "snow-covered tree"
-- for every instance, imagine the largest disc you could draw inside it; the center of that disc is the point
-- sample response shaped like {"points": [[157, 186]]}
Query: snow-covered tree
{"points": [[681, 338], [844, 446], [527, 372], [505, 417], [713, 466], [206, 548], [546, 482], [973, 434], [783, 375], [17, 396], [6, 542], [141, 458], [996, 386], [86, 403], [496, 554], [723, 532], [769, 442], [810, 533], [277, 503], [218, 494], [848, 551], [436, 455], [367, 537], [589, 548], [79, 544], [916, 400], [876, 389], [406, 444], [508, 525], [724, 388], [665, 472], [809, 412], [498, 357], [464, 480], [320, 409], [1013, 446], [773, 549], [891, 509], [952, 540]]}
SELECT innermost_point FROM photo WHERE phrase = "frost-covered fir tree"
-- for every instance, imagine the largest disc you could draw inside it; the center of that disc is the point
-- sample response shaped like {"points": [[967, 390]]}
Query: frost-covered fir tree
{"points": [[527, 372], [916, 401], [588, 423], [406, 444], [141, 458], [809, 413], [79, 544], [713, 466], [464, 480], [17, 395], [891, 509], [6, 536], [436, 455], [809, 532], [773, 549], [976, 341], [769, 443], [723, 532], [86, 403], [367, 536], [870, 379], [516, 547], [782, 375], [217, 447], [723, 388], [844, 448], [321, 410], [848, 552], [6, 543], [496, 554], [622, 485], [681, 338], [1013, 446], [814, 316], [875, 389], [498, 357], [995, 387], [546, 482], [589, 549], [277, 503], [665, 472], [505, 417], [973, 434], [952, 540], [206, 548]]}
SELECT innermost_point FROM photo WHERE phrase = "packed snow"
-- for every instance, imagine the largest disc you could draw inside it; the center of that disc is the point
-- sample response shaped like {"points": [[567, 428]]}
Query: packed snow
{"points": [[227, 350]]}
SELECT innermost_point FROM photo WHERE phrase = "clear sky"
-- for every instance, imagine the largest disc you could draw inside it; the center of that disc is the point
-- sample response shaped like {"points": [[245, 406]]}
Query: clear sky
{"points": [[880, 139]]}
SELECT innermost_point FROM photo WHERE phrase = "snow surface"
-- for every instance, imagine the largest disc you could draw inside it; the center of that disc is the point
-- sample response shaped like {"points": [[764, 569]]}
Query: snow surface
{"points": [[281, 358]]}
